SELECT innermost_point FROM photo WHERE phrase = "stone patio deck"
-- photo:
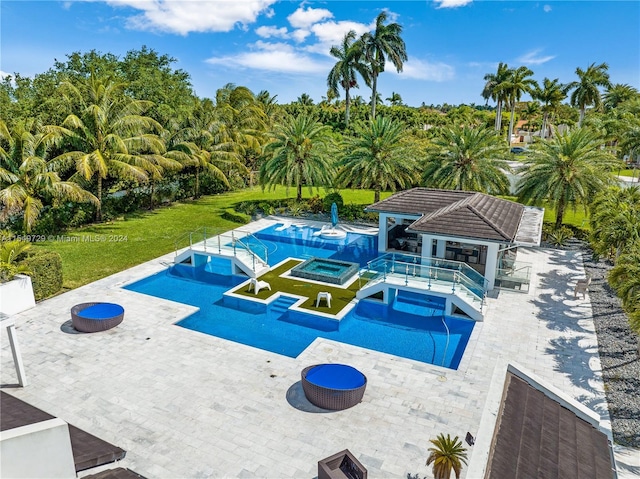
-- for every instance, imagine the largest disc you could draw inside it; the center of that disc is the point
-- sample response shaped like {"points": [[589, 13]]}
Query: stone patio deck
{"points": [[184, 404]]}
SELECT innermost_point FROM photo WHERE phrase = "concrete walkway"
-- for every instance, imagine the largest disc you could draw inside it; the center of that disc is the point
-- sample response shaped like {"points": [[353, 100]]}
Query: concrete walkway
{"points": [[184, 404]]}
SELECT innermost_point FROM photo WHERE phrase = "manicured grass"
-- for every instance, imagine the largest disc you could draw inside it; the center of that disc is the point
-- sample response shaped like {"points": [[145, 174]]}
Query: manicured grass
{"points": [[97, 251], [574, 218], [630, 173], [339, 297]]}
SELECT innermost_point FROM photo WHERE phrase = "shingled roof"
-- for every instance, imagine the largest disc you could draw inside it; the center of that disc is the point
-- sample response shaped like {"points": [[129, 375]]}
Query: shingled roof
{"points": [[456, 213], [536, 436]]}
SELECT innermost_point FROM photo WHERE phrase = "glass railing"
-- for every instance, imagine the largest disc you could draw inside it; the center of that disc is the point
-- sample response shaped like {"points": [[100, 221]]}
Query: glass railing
{"points": [[232, 243], [441, 263], [516, 276], [386, 268]]}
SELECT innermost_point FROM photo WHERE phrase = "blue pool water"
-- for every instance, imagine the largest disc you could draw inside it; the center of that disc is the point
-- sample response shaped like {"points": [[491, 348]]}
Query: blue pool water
{"points": [[411, 327], [294, 242]]}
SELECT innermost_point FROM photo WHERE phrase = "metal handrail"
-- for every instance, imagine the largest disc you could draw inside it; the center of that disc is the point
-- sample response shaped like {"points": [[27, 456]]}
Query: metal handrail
{"points": [[467, 270], [217, 241], [430, 274]]}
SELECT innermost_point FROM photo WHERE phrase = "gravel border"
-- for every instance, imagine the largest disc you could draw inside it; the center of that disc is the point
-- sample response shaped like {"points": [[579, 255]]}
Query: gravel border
{"points": [[617, 346]]}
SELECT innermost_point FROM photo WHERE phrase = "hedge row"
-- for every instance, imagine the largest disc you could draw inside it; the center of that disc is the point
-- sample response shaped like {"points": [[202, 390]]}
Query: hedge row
{"points": [[46, 273]]}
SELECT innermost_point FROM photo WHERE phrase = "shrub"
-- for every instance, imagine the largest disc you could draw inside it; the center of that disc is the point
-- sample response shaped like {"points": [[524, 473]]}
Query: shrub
{"points": [[330, 199], [315, 204], [235, 217], [560, 236], [46, 273]]}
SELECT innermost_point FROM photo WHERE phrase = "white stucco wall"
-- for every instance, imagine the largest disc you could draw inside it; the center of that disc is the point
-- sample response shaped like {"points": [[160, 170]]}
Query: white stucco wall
{"points": [[37, 451], [16, 295]]}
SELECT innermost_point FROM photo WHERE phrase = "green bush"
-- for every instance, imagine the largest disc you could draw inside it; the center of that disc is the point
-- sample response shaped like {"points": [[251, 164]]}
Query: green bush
{"points": [[46, 273], [315, 204], [235, 216], [330, 199]]}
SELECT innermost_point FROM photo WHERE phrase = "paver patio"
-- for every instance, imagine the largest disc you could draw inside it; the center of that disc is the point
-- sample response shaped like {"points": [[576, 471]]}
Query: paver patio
{"points": [[184, 404]]}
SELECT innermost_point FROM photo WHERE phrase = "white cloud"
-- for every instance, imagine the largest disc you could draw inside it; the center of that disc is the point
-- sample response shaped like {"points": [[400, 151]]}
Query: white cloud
{"points": [[273, 57], [547, 8], [332, 33], [533, 58], [302, 18], [415, 69], [300, 35], [4, 75], [268, 32], [451, 3], [185, 16]]}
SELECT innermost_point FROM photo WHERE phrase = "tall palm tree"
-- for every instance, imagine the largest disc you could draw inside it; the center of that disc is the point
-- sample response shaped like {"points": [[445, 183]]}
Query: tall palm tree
{"points": [[493, 90], [586, 90], [299, 154], [517, 83], [447, 456], [618, 94], [566, 170], [624, 277], [202, 144], [551, 95], [377, 157], [395, 99], [464, 158], [385, 43], [107, 131], [26, 177], [343, 74]]}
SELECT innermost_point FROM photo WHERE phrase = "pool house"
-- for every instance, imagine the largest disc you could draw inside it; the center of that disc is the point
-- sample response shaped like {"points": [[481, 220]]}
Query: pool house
{"points": [[474, 232]]}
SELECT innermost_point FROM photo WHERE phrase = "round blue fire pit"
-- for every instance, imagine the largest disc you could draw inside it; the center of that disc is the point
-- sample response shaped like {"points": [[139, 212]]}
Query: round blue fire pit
{"points": [[333, 386], [93, 317]]}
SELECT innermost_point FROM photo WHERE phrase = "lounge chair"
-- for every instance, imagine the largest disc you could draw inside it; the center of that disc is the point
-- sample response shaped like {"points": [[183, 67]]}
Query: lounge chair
{"points": [[582, 286], [257, 285]]}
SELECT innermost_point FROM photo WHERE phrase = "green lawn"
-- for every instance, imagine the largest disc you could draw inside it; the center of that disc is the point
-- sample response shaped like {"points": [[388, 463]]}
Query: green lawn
{"points": [[340, 297], [98, 251], [630, 173]]}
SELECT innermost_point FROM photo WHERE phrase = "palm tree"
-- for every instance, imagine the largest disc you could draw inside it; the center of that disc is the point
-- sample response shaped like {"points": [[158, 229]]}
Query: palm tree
{"points": [[624, 277], [531, 113], [618, 94], [395, 99], [464, 158], [203, 145], [377, 157], [26, 177], [566, 170], [586, 91], [298, 155], [493, 90], [447, 456], [615, 220], [517, 83], [384, 44], [305, 100], [551, 95], [343, 73], [108, 131]]}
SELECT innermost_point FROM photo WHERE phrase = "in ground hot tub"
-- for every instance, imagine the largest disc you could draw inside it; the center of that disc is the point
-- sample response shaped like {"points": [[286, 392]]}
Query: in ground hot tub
{"points": [[326, 270]]}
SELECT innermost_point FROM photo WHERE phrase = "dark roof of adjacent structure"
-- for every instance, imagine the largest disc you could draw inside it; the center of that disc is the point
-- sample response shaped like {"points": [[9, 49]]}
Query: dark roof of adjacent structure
{"points": [[88, 450], [536, 436], [456, 213]]}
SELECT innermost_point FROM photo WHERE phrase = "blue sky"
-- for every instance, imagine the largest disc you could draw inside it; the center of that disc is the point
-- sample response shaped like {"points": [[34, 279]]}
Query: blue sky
{"points": [[283, 47]]}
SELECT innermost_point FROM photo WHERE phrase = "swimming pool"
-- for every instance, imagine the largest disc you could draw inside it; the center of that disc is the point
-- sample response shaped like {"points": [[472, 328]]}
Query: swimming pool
{"points": [[412, 327], [392, 329], [305, 243]]}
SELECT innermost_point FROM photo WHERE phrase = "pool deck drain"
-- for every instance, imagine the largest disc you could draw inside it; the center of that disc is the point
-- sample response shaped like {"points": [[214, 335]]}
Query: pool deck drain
{"points": [[185, 404]]}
